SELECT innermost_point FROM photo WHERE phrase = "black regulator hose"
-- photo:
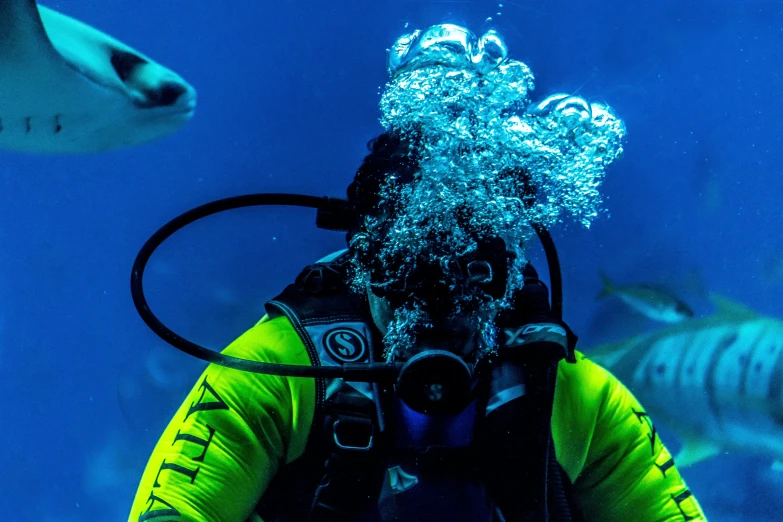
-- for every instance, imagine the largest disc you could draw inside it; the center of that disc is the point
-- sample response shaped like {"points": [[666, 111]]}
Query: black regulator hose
{"points": [[329, 208], [332, 214], [553, 264]]}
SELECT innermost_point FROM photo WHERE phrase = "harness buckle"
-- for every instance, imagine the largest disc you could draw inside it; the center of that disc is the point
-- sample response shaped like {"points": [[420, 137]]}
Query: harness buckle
{"points": [[353, 433]]}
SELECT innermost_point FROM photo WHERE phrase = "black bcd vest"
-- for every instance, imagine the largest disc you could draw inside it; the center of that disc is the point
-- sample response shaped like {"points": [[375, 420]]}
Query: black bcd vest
{"points": [[363, 463]]}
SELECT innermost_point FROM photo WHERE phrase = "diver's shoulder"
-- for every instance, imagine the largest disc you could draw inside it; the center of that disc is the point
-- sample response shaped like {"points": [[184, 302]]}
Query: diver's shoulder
{"points": [[271, 340], [585, 376], [583, 365], [272, 327]]}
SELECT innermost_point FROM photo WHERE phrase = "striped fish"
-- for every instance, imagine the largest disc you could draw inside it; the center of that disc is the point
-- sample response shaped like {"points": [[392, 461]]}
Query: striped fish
{"points": [[716, 381]]}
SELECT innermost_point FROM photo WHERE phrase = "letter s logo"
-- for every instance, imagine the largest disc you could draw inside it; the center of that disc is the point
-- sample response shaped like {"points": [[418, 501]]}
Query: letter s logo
{"points": [[345, 345]]}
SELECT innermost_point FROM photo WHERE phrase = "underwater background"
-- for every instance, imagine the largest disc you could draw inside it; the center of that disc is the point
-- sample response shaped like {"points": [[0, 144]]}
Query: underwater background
{"points": [[288, 98]]}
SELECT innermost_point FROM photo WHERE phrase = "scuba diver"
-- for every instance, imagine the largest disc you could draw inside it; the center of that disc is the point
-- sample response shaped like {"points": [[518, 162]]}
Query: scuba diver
{"points": [[425, 372]]}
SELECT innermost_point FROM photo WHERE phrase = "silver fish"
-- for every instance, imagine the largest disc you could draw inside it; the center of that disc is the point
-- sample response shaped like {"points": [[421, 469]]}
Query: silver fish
{"points": [[654, 303]]}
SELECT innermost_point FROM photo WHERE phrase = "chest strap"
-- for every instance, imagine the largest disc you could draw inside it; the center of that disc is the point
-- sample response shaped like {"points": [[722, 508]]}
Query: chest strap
{"points": [[353, 472]]}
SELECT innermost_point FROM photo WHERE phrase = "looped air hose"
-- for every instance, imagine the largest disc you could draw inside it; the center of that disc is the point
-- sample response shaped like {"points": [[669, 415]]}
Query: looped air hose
{"points": [[333, 214], [333, 211]]}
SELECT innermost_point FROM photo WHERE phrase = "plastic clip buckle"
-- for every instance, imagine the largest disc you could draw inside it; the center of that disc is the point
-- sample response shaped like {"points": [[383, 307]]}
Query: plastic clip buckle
{"points": [[352, 446]]}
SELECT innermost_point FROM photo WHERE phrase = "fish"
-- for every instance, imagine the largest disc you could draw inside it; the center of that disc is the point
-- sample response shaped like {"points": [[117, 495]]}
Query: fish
{"points": [[714, 381], [68, 88], [652, 302]]}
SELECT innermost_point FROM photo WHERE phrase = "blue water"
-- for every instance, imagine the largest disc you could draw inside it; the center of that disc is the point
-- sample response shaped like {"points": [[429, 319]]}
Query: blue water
{"points": [[288, 95]]}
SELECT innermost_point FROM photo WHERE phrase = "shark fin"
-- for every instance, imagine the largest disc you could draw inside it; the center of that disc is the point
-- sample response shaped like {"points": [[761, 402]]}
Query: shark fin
{"points": [[607, 288], [607, 355], [729, 308], [694, 450]]}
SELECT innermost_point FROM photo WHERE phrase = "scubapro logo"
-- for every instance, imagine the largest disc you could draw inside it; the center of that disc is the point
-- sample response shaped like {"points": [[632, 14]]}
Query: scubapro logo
{"points": [[345, 345], [535, 332]]}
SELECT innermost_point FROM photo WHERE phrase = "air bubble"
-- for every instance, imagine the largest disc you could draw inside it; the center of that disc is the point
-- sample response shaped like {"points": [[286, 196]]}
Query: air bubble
{"points": [[493, 163]]}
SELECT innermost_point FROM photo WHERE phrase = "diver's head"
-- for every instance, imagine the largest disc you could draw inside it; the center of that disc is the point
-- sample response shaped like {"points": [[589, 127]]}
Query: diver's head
{"points": [[425, 290]]}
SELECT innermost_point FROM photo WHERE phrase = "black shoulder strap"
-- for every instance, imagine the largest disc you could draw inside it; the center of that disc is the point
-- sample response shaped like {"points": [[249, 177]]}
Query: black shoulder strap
{"points": [[321, 292], [516, 436], [332, 320], [335, 325]]}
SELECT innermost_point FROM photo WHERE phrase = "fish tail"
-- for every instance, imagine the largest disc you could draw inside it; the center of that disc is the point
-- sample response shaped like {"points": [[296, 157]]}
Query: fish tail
{"points": [[608, 287]]}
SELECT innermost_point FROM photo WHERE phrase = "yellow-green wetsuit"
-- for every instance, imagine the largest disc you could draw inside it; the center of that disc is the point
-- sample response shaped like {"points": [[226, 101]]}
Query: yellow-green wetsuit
{"points": [[235, 431]]}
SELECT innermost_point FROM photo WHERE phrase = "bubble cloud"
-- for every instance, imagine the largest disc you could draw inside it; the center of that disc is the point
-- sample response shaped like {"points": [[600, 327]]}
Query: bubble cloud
{"points": [[491, 161]]}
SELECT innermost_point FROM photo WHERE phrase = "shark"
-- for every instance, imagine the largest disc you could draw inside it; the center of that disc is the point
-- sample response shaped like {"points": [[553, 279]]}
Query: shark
{"points": [[715, 381], [68, 88]]}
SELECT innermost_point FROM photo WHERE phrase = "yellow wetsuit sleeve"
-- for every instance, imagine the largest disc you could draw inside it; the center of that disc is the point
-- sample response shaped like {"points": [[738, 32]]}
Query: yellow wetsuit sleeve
{"points": [[231, 435], [609, 448]]}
